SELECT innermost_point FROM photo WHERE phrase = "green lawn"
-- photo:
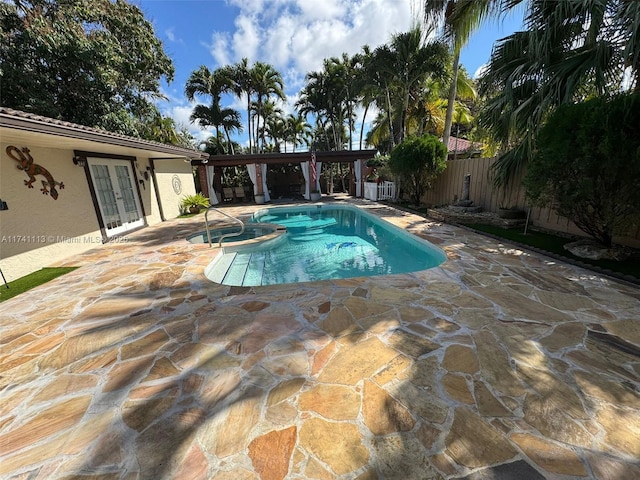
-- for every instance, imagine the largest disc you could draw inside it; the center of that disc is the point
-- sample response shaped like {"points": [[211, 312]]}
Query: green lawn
{"points": [[554, 244], [30, 281]]}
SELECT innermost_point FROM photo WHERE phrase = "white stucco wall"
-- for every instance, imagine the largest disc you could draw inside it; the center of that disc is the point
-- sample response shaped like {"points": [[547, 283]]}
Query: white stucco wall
{"points": [[36, 231], [166, 173]]}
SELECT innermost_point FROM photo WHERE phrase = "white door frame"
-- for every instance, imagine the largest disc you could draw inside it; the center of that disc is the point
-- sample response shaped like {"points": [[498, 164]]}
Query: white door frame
{"points": [[117, 195]]}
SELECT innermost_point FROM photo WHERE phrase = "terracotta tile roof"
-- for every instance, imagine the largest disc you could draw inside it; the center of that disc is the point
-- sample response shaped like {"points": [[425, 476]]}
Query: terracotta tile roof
{"points": [[460, 145], [11, 118]]}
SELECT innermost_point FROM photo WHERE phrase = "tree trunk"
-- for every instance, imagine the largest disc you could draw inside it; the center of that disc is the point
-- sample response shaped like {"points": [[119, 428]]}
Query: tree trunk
{"points": [[364, 115], [452, 99]]}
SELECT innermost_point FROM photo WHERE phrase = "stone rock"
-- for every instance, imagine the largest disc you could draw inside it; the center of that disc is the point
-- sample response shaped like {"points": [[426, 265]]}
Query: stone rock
{"points": [[396, 369], [564, 335], [550, 456], [361, 307], [271, 453], [516, 305], [617, 393], [420, 401], [195, 465], [458, 358], [339, 322], [555, 392], [488, 405], [412, 345], [474, 443], [163, 446], [281, 414], [428, 435], [594, 251], [495, 366], [608, 468], [339, 445], [403, 457], [622, 429], [565, 301], [335, 402], [232, 434], [284, 390], [315, 470], [550, 420], [322, 357], [138, 415], [456, 387], [353, 363], [382, 413], [237, 473], [508, 471]]}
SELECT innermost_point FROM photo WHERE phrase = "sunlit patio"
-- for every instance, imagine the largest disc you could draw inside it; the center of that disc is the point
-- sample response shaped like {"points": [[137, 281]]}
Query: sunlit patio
{"points": [[497, 364]]}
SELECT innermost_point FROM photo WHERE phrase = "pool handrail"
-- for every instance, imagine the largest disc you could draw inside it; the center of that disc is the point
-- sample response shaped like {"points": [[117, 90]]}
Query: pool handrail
{"points": [[222, 237]]}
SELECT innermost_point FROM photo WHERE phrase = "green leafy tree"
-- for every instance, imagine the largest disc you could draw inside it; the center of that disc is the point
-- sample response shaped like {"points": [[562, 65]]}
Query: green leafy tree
{"points": [[93, 62], [587, 165], [568, 52], [418, 160]]}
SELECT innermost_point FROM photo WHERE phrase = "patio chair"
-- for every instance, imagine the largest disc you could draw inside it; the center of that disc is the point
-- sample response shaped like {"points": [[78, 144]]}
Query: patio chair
{"points": [[240, 196], [227, 194]]}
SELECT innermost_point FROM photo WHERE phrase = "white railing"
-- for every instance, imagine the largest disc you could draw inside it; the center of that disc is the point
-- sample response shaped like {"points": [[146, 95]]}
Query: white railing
{"points": [[379, 191]]}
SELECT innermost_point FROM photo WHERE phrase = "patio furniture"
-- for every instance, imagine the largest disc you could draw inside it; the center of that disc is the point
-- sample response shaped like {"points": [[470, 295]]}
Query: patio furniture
{"points": [[239, 192], [227, 194]]}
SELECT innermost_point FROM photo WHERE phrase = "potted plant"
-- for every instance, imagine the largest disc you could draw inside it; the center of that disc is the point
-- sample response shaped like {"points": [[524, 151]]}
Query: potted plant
{"points": [[194, 203], [315, 195], [259, 198]]}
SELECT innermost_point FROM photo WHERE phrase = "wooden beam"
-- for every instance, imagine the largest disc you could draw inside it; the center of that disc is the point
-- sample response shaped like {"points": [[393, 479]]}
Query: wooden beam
{"points": [[281, 158]]}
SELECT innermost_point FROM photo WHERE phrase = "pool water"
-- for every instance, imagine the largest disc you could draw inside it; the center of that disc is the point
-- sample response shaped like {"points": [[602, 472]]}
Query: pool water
{"points": [[321, 243], [250, 232]]}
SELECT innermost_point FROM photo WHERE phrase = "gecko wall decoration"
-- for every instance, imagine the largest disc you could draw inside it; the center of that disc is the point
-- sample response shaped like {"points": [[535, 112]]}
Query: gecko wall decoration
{"points": [[25, 162]]}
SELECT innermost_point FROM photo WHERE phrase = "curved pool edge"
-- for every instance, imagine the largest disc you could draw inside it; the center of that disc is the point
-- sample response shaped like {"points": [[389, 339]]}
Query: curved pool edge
{"points": [[276, 231]]}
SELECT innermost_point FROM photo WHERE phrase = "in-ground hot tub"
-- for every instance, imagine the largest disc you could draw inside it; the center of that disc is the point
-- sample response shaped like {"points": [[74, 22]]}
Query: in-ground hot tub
{"points": [[253, 233]]}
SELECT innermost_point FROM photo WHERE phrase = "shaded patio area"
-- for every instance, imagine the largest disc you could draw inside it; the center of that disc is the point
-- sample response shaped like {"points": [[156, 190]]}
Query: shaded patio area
{"points": [[498, 362]]}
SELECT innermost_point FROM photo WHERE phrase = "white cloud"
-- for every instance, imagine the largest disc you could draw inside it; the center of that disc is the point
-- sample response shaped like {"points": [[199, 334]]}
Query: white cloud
{"points": [[480, 70], [220, 48], [247, 37], [299, 34]]}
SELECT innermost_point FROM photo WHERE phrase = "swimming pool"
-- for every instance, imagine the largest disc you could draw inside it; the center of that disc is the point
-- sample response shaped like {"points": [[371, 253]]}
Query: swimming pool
{"points": [[323, 242]]}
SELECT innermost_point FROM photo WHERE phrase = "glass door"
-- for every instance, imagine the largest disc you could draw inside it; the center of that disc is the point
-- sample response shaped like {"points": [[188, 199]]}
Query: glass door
{"points": [[117, 197]]}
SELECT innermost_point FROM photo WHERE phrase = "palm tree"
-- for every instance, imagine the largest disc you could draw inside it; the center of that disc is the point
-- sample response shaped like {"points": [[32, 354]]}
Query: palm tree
{"points": [[461, 18], [298, 129], [413, 62], [570, 51], [242, 84], [205, 83], [267, 82]]}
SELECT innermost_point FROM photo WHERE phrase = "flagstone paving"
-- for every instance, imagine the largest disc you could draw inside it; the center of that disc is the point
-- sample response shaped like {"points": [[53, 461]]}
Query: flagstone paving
{"points": [[497, 364]]}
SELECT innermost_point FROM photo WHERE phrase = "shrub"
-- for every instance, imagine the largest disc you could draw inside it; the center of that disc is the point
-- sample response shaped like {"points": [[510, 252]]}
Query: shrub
{"points": [[587, 165], [418, 160], [196, 201]]}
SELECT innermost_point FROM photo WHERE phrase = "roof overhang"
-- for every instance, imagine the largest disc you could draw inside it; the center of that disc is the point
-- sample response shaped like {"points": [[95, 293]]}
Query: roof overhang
{"points": [[280, 158], [47, 132]]}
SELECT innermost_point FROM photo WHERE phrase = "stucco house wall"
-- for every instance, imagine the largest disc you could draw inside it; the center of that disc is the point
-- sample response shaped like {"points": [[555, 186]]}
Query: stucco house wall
{"points": [[175, 180], [39, 229]]}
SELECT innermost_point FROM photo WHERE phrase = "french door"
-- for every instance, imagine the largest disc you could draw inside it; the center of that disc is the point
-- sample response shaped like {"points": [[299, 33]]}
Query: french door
{"points": [[117, 195]]}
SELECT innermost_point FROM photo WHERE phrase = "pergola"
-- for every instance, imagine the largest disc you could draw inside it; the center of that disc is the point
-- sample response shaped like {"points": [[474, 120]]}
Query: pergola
{"points": [[355, 158]]}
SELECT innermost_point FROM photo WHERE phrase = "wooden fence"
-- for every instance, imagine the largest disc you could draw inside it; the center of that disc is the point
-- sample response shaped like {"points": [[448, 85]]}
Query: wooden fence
{"points": [[447, 189]]}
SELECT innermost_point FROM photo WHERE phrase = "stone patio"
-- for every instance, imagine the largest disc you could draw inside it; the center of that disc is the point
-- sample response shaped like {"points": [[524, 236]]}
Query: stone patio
{"points": [[497, 364]]}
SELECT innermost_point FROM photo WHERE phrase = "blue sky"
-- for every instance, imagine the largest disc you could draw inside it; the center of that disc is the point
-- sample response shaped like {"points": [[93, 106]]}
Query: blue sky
{"points": [[292, 35]]}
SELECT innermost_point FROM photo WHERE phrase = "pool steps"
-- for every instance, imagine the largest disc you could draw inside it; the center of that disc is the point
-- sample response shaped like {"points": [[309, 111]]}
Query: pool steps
{"points": [[229, 271]]}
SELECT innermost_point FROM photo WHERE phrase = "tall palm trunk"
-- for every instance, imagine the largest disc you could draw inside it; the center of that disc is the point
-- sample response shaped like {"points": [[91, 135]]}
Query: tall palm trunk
{"points": [[391, 134], [452, 99], [364, 116]]}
